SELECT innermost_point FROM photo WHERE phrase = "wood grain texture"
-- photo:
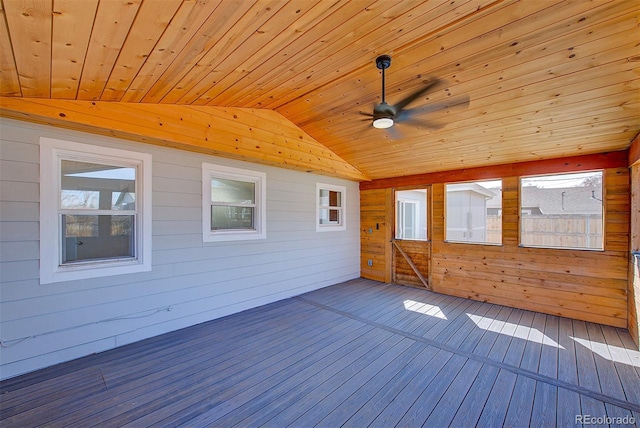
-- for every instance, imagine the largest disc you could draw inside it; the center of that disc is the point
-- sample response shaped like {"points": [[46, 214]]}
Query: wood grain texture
{"points": [[30, 34], [586, 285], [411, 260], [264, 137], [111, 26], [375, 234], [347, 355], [547, 166], [634, 151], [633, 297], [9, 82], [520, 81], [72, 25]]}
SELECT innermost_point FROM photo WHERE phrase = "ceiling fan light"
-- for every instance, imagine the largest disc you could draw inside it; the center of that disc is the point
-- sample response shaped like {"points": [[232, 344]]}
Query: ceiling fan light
{"points": [[383, 122]]}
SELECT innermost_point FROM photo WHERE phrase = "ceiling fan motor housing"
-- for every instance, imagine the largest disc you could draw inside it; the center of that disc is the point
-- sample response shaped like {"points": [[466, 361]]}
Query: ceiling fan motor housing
{"points": [[383, 62]]}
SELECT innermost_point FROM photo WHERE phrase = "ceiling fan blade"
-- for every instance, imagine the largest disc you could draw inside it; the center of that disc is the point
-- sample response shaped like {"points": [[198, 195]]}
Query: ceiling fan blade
{"points": [[457, 102], [394, 133], [432, 126], [400, 105], [365, 114]]}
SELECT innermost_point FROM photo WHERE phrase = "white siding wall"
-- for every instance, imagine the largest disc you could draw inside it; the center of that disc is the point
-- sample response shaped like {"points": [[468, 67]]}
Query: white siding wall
{"points": [[191, 281]]}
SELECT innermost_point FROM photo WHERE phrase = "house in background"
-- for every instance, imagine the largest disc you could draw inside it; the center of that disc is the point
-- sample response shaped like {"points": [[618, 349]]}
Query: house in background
{"points": [[467, 215], [563, 216], [247, 173]]}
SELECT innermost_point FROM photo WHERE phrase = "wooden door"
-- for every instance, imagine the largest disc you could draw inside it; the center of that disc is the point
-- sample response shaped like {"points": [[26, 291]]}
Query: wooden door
{"points": [[411, 244]]}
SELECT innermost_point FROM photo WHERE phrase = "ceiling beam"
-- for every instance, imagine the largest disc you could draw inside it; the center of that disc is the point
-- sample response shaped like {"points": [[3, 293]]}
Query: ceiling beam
{"points": [[568, 164], [254, 135]]}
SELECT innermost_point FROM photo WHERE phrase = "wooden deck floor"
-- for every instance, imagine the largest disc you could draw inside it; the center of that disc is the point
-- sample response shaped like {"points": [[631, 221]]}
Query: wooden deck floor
{"points": [[356, 354]]}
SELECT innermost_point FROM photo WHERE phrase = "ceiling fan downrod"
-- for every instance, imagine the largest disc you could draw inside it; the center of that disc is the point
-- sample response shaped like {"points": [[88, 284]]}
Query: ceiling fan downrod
{"points": [[383, 114], [383, 62]]}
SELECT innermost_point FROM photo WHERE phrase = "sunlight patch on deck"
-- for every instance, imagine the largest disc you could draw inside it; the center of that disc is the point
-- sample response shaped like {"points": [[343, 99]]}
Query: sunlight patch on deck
{"points": [[424, 308], [513, 330], [611, 352]]}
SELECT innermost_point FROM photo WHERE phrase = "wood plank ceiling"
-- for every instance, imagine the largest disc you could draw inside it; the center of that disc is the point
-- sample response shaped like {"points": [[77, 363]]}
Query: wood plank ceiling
{"points": [[543, 78]]}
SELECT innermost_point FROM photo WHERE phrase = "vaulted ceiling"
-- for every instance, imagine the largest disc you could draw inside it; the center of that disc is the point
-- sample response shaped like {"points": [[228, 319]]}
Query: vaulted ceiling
{"points": [[518, 80]]}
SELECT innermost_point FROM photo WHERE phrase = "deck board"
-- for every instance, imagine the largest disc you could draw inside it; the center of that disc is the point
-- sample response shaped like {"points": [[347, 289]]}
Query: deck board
{"points": [[384, 398], [299, 378], [206, 411], [399, 407], [521, 403], [433, 391], [442, 413], [350, 385], [228, 382], [496, 406], [549, 354], [568, 408], [474, 402], [544, 408], [350, 353], [338, 414], [124, 367], [360, 353]]}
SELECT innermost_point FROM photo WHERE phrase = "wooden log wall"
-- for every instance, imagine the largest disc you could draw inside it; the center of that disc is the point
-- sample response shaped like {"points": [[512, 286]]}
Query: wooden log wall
{"points": [[579, 284]]}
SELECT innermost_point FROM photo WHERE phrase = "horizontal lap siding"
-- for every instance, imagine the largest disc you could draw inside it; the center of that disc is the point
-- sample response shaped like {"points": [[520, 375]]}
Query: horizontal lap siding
{"points": [[190, 281], [586, 285]]}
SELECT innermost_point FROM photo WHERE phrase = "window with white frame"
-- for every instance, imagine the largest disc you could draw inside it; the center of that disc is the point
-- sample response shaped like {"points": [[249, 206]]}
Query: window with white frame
{"points": [[330, 207], [95, 211], [233, 203]]}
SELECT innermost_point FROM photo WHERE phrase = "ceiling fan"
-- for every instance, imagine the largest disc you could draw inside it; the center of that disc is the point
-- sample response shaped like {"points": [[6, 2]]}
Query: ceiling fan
{"points": [[385, 115]]}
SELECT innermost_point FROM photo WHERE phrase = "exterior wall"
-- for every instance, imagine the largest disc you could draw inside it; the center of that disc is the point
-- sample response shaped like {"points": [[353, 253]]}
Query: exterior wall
{"points": [[580, 284], [190, 282]]}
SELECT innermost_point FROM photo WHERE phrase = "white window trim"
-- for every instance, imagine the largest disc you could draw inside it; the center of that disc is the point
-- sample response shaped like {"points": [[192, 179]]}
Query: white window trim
{"points": [[259, 178], [343, 208], [51, 152]]}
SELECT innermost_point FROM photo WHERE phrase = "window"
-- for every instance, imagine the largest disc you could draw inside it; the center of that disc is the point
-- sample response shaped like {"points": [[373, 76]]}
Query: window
{"points": [[562, 211], [330, 207], [233, 204], [411, 214], [95, 212], [474, 212]]}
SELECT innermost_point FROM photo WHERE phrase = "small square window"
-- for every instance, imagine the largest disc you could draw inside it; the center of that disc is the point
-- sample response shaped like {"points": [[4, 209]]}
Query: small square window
{"points": [[233, 203], [330, 212]]}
